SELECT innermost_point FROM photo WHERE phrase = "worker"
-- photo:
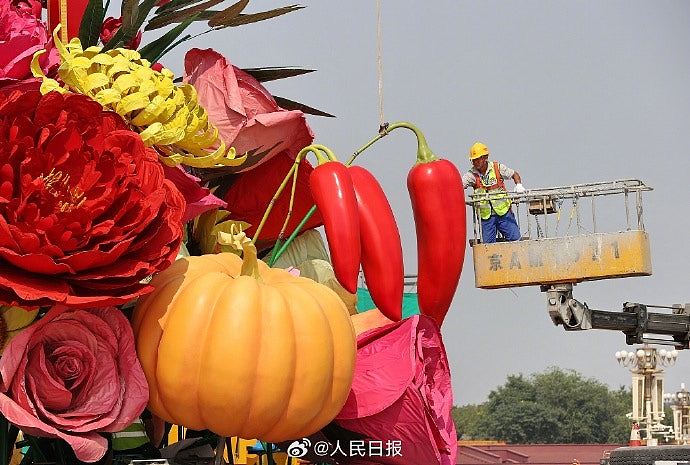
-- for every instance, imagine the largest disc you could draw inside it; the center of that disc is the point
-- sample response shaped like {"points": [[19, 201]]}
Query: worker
{"points": [[487, 177]]}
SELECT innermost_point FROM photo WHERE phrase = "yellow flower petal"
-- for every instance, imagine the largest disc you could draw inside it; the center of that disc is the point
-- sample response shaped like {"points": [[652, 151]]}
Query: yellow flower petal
{"points": [[131, 102], [95, 80], [107, 97]]}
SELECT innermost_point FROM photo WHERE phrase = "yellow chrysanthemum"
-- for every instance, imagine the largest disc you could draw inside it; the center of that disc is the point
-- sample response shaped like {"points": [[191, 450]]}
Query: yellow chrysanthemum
{"points": [[166, 115], [215, 233]]}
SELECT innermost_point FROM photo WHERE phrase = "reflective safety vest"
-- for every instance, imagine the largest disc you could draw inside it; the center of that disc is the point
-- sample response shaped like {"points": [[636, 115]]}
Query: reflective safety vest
{"points": [[498, 199], [131, 437]]}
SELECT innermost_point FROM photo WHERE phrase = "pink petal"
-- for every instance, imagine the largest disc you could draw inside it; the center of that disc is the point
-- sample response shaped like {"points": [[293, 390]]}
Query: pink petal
{"points": [[199, 199], [245, 113], [112, 397]]}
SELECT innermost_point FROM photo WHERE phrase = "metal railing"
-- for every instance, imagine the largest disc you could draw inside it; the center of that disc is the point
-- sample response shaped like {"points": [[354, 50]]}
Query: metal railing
{"points": [[539, 205]]}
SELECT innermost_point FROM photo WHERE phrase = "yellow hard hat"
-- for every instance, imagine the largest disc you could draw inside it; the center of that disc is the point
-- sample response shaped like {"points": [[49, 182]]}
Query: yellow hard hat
{"points": [[478, 150]]}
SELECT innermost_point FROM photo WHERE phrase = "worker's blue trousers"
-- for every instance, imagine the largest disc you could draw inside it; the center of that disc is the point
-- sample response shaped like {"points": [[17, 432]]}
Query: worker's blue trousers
{"points": [[506, 224]]}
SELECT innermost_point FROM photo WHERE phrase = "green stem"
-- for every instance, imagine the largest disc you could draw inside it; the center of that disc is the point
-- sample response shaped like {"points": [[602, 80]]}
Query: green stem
{"points": [[354, 156], [272, 259], [321, 159], [329, 153], [424, 155], [281, 187], [294, 234], [291, 205]]}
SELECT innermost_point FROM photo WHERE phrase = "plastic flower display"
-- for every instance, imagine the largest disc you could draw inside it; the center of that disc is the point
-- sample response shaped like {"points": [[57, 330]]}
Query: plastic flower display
{"points": [[85, 210], [120, 189]]}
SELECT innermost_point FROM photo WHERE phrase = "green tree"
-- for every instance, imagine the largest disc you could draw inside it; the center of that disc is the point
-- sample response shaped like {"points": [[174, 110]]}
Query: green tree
{"points": [[621, 400], [555, 406], [467, 418]]}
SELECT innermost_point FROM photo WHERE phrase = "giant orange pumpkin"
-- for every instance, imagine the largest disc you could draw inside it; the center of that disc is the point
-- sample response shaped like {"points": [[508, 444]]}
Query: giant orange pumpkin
{"points": [[245, 351]]}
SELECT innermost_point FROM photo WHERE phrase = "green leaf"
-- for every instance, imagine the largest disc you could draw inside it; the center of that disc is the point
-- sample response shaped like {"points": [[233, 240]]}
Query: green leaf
{"points": [[241, 19], [273, 73], [228, 14], [91, 23], [292, 105], [156, 49], [175, 5], [129, 12], [179, 16]]}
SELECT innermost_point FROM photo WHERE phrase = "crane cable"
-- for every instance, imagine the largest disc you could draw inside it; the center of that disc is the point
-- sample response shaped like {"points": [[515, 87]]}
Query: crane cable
{"points": [[379, 65]]}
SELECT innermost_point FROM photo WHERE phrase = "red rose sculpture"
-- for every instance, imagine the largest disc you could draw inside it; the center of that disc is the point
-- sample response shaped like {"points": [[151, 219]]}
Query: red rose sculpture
{"points": [[110, 27], [73, 374], [85, 210]]}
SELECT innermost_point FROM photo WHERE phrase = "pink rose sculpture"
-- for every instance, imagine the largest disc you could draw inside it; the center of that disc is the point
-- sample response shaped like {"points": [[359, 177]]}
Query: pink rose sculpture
{"points": [[71, 375], [21, 35], [245, 113]]}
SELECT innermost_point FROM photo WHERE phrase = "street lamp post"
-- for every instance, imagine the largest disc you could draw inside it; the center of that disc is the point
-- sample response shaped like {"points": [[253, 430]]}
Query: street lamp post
{"points": [[646, 365], [680, 404]]}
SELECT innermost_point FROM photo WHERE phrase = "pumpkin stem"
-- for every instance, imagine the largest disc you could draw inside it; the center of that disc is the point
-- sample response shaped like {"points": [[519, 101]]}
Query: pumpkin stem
{"points": [[250, 266]]}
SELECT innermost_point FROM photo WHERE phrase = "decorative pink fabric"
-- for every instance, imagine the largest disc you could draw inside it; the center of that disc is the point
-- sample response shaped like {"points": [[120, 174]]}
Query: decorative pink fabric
{"points": [[245, 113], [402, 391], [72, 374]]}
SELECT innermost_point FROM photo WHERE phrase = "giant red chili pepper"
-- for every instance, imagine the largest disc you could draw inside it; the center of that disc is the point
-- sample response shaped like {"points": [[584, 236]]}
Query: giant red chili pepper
{"points": [[382, 260], [333, 193], [438, 204]]}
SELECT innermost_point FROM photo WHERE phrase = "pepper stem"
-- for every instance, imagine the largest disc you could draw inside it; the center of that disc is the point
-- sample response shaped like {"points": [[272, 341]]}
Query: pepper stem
{"points": [[424, 155], [317, 150], [250, 265]]}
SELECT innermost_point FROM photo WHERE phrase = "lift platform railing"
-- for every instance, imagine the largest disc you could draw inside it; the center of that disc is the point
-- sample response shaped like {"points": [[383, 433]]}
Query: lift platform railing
{"points": [[603, 245], [534, 207]]}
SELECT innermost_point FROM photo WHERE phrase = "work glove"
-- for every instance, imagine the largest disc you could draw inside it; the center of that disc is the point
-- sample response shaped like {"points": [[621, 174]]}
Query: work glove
{"points": [[519, 189]]}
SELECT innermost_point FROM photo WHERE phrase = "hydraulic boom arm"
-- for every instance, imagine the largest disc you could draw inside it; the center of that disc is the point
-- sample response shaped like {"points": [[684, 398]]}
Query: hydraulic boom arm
{"points": [[635, 321]]}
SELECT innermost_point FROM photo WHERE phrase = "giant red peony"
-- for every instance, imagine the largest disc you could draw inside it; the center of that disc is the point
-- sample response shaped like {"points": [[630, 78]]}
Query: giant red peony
{"points": [[85, 210]]}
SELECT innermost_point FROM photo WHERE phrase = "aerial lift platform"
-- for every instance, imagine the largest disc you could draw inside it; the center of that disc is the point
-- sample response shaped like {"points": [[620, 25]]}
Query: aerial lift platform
{"points": [[545, 257], [556, 256]]}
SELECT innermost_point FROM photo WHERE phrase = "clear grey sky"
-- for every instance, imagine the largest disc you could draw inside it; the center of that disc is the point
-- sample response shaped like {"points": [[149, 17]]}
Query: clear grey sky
{"points": [[563, 91]]}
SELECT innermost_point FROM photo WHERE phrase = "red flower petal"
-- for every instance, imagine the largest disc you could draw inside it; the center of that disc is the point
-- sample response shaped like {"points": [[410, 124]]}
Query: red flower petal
{"points": [[85, 210]]}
